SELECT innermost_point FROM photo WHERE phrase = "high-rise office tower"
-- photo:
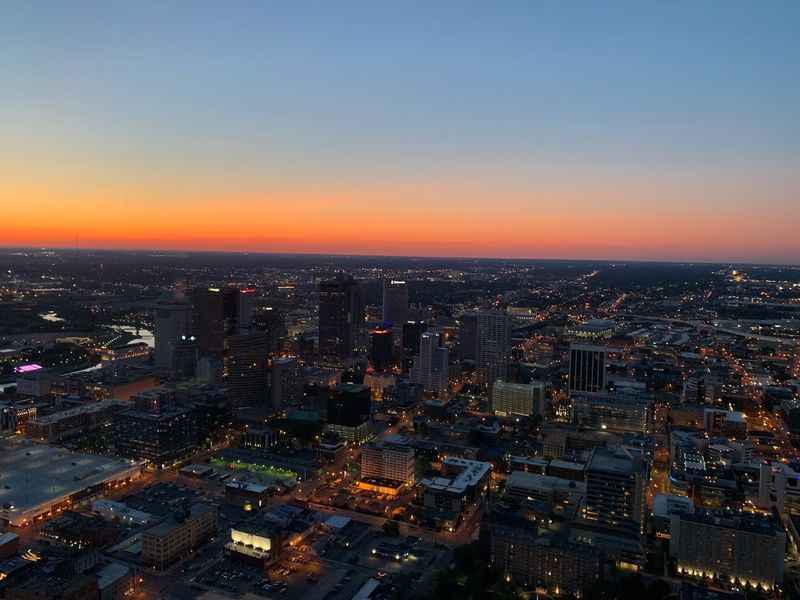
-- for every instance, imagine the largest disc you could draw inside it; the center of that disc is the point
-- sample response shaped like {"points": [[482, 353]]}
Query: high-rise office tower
{"points": [[173, 322], [230, 310], [247, 369], [381, 348], [615, 498], [340, 315], [286, 383], [395, 302], [494, 344], [270, 321], [587, 368], [412, 333], [468, 336], [185, 357], [245, 310], [209, 320], [431, 367]]}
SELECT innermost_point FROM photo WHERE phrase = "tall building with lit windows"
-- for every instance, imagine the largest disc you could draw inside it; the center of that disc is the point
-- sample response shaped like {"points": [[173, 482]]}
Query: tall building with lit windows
{"points": [[740, 549], [615, 494], [248, 368], [390, 461], [522, 399], [161, 436], [431, 365], [340, 315], [494, 344], [285, 383]]}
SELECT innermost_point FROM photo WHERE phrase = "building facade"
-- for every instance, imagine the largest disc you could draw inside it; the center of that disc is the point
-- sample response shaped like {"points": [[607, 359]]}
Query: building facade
{"points": [[741, 549], [615, 491], [340, 315], [522, 399], [173, 323], [587, 368], [160, 437], [494, 344], [395, 302], [431, 366], [173, 538], [547, 561], [391, 460], [621, 412]]}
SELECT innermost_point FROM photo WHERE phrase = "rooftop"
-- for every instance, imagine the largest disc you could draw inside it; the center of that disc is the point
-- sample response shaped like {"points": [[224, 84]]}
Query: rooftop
{"points": [[247, 487], [84, 409], [111, 573], [166, 526], [596, 325], [535, 481], [612, 460], [472, 471], [33, 474]]}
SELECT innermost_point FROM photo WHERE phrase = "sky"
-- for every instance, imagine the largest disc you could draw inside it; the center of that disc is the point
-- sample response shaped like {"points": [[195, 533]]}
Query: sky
{"points": [[646, 130]]}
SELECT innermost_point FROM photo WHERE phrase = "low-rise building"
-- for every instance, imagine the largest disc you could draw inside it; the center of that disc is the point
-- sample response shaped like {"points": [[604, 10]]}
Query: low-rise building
{"points": [[174, 537], [256, 544], [463, 482], [115, 581], [119, 511], [68, 423], [248, 496]]}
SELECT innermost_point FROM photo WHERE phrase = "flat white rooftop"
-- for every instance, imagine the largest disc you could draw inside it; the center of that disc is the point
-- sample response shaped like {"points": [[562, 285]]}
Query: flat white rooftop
{"points": [[35, 476]]}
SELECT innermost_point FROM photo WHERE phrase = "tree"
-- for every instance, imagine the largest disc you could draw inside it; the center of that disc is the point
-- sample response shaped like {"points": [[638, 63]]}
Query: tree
{"points": [[391, 528], [659, 590], [631, 587], [422, 466]]}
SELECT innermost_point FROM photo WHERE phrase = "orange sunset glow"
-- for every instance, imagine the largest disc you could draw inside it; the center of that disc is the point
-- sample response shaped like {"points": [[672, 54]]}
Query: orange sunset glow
{"points": [[443, 219], [504, 140]]}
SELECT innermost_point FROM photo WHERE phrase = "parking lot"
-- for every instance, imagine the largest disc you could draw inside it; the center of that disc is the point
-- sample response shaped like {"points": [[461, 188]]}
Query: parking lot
{"points": [[325, 566]]}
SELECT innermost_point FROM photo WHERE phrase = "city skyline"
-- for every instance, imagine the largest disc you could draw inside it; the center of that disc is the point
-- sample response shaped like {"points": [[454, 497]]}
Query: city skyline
{"points": [[381, 301], [622, 132]]}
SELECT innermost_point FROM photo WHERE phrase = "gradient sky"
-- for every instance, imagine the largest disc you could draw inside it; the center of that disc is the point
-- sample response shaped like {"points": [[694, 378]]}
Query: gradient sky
{"points": [[618, 130]]}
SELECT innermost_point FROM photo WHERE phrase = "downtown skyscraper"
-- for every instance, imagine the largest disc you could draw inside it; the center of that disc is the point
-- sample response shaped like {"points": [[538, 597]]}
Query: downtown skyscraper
{"points": [[494, 345], [431, 365], [340, 316]]}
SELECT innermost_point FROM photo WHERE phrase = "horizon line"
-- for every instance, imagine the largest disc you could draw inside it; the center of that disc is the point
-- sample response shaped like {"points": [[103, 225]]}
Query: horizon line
{"points": [[402, 256]]}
